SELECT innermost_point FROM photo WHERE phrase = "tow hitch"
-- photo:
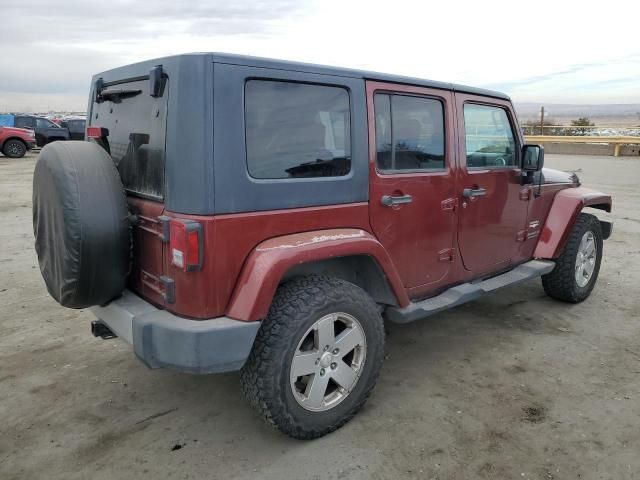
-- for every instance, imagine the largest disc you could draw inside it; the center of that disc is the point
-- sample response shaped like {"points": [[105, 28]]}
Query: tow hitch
{"points": [[100, 329]]}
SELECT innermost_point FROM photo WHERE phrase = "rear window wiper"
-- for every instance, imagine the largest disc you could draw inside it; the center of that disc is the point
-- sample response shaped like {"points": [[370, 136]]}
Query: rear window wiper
{"points": [[116, 94]]}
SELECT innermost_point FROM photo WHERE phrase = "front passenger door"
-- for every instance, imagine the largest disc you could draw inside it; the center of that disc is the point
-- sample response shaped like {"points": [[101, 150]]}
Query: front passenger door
{"points": [[492, 198]]}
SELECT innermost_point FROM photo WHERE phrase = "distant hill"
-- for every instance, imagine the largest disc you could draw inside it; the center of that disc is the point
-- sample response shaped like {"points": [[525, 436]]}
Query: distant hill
{"points": [[622, 114]]}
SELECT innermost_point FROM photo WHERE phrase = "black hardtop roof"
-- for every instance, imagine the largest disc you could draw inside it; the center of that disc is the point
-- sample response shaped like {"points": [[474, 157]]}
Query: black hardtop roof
{"points": [[311, 68]]}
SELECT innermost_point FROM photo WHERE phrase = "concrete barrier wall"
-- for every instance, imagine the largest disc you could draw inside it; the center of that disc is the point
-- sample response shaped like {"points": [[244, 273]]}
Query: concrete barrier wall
{"points": [[590, 149]]}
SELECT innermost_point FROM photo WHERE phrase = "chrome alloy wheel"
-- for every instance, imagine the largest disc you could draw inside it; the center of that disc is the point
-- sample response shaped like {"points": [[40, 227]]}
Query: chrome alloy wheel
{"points": [[328, 361], [585, 259]]}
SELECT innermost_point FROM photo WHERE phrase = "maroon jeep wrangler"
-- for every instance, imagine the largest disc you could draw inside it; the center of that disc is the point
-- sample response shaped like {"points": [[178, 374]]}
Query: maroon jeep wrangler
{"points": [[235, 213]]}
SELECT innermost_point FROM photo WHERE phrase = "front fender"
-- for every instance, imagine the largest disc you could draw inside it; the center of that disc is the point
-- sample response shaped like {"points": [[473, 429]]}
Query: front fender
{"points": [[566, 206], [271, 259]]}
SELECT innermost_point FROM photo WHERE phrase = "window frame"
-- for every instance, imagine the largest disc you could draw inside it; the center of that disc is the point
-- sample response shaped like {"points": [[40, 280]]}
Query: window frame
{"points": [[392, 93], [229, 170], [296, 179], [516, 139]]}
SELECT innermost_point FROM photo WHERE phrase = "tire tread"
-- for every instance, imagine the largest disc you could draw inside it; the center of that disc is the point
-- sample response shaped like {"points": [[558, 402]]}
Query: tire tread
{"points": [[560, 283], [293, 301]]}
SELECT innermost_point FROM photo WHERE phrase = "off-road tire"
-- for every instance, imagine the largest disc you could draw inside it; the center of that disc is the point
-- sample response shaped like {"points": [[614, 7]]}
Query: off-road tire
{"points": [[14, 148], [265, 376], [561, 283]]}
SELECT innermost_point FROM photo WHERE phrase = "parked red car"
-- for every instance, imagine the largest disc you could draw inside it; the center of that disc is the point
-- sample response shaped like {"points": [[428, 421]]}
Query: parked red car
{"points": [[234, 213], [15, 142]]}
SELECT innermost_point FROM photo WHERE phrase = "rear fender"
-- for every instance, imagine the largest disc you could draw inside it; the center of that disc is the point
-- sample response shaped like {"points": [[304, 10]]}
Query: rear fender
{"points": [[270, 261], [564, 211]]}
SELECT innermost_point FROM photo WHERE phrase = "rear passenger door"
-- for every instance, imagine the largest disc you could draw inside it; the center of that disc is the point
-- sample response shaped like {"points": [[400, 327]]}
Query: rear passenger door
{"points": [[411, 191], [493, 200]]}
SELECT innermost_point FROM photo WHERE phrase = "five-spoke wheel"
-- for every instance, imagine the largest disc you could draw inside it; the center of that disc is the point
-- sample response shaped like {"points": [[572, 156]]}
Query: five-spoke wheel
{"points": [[328, 361]]}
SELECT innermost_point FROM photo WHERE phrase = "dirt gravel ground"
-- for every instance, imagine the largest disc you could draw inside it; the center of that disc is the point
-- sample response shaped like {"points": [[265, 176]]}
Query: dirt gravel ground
{"points": [[515, 385]]}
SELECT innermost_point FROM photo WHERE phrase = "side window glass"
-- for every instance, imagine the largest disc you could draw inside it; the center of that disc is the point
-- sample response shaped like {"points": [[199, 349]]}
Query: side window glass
{"points": [[382, 106], [489, 139], [297, 130], [22, 122], [74, 125], [409, 133], [43, 123]]}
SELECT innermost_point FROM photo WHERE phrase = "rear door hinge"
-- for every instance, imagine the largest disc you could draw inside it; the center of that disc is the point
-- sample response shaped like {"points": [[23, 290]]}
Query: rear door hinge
{"points": [[161, 285], [525, 194], [169, 286], [521, 236], [156, 226], [445, 255], [157, 81]]}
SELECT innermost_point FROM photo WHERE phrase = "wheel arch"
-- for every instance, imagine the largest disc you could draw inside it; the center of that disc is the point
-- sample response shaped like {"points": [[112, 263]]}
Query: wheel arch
{"points": [[350, 254], [13, 138], [564, 211], [360, 269]]}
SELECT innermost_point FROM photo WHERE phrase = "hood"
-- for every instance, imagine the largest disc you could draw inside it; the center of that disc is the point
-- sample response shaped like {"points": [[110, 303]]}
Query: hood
{"points": [[549, 175]]}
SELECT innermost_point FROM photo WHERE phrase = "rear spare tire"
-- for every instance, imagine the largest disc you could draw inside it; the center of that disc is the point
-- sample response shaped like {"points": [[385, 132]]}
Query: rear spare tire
{"points": [[81, 224]]}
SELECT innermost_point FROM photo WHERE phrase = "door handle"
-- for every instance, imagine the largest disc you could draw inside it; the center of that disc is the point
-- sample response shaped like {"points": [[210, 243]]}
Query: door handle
{"points": [[389, 201], [474, 192]]}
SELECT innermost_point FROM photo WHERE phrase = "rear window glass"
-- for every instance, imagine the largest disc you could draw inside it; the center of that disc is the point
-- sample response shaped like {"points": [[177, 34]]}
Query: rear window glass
{"points": [[137, 127], [297, 130]]}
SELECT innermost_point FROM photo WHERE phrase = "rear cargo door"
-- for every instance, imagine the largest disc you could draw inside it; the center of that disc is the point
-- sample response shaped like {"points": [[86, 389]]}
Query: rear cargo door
{"points": [[136, 123]]}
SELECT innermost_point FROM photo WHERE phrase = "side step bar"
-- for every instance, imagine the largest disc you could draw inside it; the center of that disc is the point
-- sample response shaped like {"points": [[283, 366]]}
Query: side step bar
{"points": [[468, 291]]}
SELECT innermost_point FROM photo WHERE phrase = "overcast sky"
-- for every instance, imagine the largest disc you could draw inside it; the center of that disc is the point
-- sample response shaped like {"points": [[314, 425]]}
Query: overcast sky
{"points": [[541, 51]]}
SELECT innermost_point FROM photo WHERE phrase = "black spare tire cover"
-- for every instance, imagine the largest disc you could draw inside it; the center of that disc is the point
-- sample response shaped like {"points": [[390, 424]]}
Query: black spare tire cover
{"points": [[81, 224]]}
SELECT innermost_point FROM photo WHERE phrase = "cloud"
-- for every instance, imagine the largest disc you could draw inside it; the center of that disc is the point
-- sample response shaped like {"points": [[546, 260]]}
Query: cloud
{"points": [[557, 51], [57, 47]]}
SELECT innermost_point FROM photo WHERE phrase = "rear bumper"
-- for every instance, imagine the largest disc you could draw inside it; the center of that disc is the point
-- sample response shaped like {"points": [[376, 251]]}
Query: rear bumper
{"points": [[161, 339]]}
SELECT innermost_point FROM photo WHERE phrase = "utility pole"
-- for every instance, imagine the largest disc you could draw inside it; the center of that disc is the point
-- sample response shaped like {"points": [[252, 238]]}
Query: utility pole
{"points": [[542, 120]]}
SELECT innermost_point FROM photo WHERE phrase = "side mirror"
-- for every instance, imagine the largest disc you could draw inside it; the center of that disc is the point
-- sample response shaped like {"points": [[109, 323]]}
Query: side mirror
{"points": [[532, 158]]}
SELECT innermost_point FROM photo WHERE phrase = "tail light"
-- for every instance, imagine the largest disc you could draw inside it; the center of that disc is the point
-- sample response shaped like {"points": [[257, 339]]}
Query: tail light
{"points": [[97, 132], [100, 135], [186, 244]]}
